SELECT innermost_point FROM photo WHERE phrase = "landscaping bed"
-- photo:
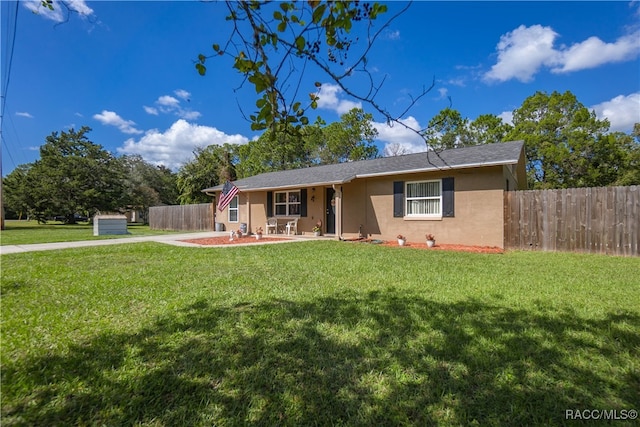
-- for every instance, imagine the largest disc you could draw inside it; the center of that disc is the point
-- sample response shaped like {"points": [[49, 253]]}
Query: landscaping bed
{"points": [[224, 240], [447, 247], [437, 247]]}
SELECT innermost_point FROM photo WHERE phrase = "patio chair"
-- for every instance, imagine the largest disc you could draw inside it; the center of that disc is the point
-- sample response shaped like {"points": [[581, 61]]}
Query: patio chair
{"points": [[272, 224], [292, 225]]}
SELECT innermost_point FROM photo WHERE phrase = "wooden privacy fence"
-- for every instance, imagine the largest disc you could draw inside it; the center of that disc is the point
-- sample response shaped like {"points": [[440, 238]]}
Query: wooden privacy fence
{"points": [[597, 220], [182, 217]]}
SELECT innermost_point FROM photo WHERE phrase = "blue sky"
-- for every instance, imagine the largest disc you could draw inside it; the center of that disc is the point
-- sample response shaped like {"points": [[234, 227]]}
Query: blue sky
{"points": [[126, 69]]}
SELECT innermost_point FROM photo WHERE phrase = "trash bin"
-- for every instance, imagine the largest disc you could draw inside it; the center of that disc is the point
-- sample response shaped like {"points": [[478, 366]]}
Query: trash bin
{"points": [[219, 226], [243, 227]]}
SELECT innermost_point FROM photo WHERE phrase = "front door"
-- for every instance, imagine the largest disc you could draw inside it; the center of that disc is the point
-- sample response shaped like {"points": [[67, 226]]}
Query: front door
{"points": [[331, 212]]}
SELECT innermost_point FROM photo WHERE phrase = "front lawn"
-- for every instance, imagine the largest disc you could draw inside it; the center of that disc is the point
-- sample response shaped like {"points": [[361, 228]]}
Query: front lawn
{"points": [[315, 333], [27, 232]]}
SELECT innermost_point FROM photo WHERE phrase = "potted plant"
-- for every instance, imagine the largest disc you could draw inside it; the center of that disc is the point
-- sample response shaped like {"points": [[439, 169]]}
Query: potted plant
{"points": [[316, 230], [431, 240], [401, 240], [258, 233]]}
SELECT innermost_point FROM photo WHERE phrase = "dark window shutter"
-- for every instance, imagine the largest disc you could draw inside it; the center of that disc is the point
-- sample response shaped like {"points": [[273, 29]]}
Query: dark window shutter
{"points": [[447, 198], [269, 204], [398, 199], [303, 202]]}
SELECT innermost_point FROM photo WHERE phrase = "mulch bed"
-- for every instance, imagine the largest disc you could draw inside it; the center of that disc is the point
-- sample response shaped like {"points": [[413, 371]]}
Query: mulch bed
{"points": [[224, 240]]}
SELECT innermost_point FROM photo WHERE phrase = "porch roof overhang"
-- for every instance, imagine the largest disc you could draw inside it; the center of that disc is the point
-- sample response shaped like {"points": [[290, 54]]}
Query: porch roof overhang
{"points": [[497, 154]]}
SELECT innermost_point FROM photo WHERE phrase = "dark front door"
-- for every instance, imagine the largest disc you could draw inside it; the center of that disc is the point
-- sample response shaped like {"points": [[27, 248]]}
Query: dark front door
{"points": [[331, 214]]}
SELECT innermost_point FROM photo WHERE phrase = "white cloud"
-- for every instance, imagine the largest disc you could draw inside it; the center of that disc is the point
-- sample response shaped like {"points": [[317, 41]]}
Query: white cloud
{"points": [[522, 52], [507, 117], [110, 118], [24, 114], [189, 115], [443, 91], [621, 111], [328, 99], [393, 35], [460, 82], [593, 52], [183, 94], [150, 110], [168, 104], [59, 12], [168, 101], [525, 50], [398, 137], [175, 146]]}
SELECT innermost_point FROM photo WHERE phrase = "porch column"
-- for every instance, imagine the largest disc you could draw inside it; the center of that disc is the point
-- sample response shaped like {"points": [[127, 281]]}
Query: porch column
{"points": [[338, 206], [248, 212]]}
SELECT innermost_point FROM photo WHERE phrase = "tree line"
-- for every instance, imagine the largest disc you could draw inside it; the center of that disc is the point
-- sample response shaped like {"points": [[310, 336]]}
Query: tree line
{"points": [[566, 146]]}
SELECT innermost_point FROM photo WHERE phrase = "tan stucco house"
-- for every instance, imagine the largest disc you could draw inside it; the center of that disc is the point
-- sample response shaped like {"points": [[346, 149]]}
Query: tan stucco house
{"points": [[456, 194]]}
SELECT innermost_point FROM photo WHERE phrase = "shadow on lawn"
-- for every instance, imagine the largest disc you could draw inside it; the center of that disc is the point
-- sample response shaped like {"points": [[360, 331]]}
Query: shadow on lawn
{"points": [[377, 359]]}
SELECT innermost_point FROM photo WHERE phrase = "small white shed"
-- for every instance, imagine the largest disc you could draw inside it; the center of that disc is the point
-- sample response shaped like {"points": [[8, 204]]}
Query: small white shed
{"points": [[109, 224]]}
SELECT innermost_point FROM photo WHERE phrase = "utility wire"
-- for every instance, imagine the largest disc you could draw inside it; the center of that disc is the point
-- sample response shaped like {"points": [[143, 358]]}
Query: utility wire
{"points": [[7, 77], [5, 85]]}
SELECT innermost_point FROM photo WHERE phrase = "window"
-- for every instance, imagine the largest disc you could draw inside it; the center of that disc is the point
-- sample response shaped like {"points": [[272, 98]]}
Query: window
{"points": [[287, 203], [423, 199], [233, 210]]}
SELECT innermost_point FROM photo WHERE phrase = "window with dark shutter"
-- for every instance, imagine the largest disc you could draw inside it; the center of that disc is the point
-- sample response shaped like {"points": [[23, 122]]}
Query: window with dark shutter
{"points": [[269, 204], [448, 198], [303, 202]]}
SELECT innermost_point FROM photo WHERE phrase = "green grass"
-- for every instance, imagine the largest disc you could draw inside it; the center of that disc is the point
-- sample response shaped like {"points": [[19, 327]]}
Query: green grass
{"points": [[27, 232], [315, 333]]}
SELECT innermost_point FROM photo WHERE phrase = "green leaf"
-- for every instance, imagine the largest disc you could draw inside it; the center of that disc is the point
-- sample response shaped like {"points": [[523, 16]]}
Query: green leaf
{"points": [[300, 43], [376, 10], [282, 26], [318, 13], [202, 70], [304, 120], [259, 82], [216, 47], [277, 15]]}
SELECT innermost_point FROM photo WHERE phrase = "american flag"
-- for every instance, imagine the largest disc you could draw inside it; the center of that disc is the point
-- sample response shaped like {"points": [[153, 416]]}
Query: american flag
{"points": [[229, 191]]}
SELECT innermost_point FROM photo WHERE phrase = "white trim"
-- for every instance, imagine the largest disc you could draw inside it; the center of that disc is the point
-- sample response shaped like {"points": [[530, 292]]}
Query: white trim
{"points": [[406, 199], [237, 209], [287, 203]]}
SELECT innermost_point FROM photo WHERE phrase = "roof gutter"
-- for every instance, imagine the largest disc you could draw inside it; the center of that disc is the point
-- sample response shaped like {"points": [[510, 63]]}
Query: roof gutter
{"points": [[282, 187]]}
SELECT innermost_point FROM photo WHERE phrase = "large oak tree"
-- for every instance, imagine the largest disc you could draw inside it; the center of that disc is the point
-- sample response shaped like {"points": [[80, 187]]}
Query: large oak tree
{"points": [[74, 175]]}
